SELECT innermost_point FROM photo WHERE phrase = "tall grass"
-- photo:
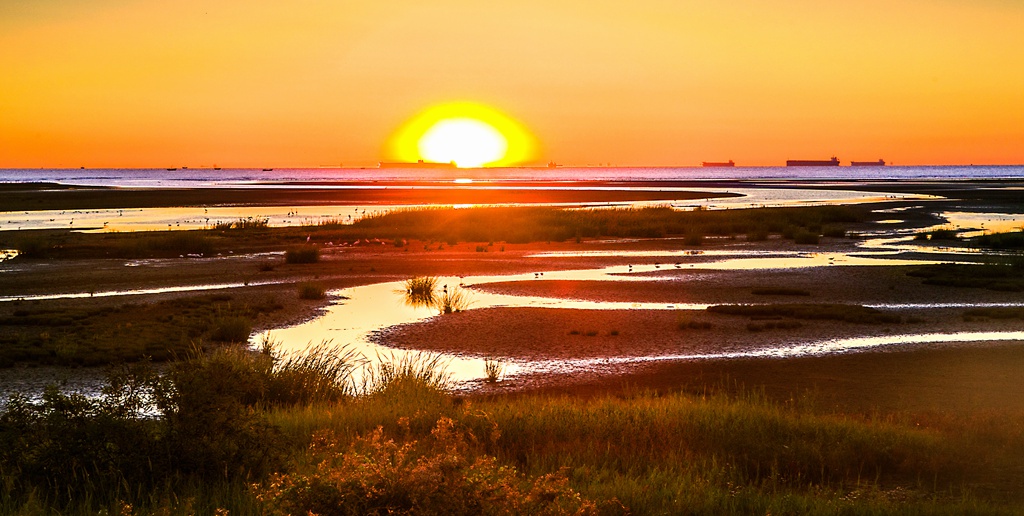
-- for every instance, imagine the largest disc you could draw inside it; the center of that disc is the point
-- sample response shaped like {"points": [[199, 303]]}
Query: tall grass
{"points": [[393, 375]]}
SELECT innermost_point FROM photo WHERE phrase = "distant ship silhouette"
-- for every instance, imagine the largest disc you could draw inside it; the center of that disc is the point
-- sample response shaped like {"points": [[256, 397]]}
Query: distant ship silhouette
{"points": [[717, 164], [834, 162], [879, 163]]}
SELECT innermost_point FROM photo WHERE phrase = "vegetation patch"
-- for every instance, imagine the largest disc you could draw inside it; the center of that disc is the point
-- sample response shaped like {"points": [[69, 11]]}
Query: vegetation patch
{"points": [[238, 432], [302, 254], [129, 332], [833, 312], [1008, 240], [312, 290]]}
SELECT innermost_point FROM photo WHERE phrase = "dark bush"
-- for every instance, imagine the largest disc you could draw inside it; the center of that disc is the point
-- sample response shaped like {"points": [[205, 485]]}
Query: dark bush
{"points": [[304, 254]]}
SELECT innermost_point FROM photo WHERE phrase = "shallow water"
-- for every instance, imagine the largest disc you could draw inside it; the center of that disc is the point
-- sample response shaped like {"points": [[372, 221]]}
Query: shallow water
{"points": [[189, 218], [796, 349]]}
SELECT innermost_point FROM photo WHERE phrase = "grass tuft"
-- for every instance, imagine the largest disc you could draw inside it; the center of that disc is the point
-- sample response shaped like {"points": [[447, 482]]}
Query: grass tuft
{"points": [[312, 290]]}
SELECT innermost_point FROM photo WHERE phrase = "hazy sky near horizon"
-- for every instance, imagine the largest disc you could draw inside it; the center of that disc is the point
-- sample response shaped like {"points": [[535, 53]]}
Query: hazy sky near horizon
{"points": [[123, 83]]}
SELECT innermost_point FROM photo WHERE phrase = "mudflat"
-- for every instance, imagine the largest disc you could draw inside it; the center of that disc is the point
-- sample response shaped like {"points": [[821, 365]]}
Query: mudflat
{"points": [[250, 277]]}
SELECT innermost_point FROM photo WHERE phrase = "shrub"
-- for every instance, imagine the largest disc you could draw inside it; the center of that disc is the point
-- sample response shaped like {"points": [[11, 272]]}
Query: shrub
{"points": [[420, 291], [311, 290], [304, 254], [377, 475]]}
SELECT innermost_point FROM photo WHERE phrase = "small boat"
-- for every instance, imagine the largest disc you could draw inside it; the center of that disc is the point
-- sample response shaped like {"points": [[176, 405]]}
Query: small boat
{"points": [[879, 163], [834, 162], [268, 170], [552, 164], [171, 169], [717, 164]]}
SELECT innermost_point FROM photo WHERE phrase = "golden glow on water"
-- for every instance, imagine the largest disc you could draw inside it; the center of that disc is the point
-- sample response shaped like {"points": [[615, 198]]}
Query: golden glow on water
{"points": [[469, 134]]}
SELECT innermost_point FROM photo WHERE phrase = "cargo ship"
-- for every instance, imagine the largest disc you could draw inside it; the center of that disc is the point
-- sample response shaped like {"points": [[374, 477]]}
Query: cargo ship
{"points": [[717, 164], [834, 162], [879, 163], [417, 164]]}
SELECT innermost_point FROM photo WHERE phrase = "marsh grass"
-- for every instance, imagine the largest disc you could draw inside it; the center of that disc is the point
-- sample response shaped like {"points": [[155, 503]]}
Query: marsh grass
{"points": [[1006, 240], [232, 329], [402, 441], [312, 290], [393, 374]]}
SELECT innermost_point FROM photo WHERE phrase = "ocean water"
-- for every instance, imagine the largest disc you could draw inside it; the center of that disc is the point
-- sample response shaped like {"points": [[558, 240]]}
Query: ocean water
{"points": [[194, 177]]}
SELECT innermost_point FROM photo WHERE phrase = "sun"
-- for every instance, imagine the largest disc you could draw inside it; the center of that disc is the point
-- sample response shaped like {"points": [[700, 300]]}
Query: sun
{"points": [[467, 134], [464, 141]]}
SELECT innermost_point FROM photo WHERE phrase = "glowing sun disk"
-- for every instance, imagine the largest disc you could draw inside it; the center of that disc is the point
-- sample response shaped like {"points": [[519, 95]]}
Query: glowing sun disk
{"points": [[467, 142], [466, 133]]}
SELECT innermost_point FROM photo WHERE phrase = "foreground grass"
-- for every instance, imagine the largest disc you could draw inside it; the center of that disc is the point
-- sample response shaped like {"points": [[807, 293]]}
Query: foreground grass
{"points": [[258, 433], [679, 454]]}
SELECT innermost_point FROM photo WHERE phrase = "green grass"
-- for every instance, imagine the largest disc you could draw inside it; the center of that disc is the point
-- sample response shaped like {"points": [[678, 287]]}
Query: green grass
{"points": [[833, 312]]}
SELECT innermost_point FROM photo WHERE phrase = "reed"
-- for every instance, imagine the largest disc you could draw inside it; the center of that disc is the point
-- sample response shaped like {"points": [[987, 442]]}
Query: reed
{"points": [[493, 371], [452, 300]]}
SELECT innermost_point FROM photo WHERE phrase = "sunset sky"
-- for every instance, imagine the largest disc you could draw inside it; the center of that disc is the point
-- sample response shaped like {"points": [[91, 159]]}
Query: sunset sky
{"points": [[127, 83]]}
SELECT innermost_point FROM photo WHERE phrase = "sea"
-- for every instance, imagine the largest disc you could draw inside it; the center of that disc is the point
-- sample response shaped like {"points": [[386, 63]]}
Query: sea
{"points": [[208, 177]]}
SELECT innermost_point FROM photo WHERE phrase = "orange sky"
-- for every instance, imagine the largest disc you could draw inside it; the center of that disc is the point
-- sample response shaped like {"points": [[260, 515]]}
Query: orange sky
{"points": [[123, 83]]}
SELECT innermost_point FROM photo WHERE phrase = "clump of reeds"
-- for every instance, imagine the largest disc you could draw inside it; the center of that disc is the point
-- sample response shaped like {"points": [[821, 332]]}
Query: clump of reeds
{"points": [[452, 300], [420, 291], [323, 372], [311, 290], [493, 371], [303, 254]]}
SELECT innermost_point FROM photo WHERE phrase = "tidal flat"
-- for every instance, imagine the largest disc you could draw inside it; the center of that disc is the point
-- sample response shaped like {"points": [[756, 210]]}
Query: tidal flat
{"points": [[611, 310]]}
